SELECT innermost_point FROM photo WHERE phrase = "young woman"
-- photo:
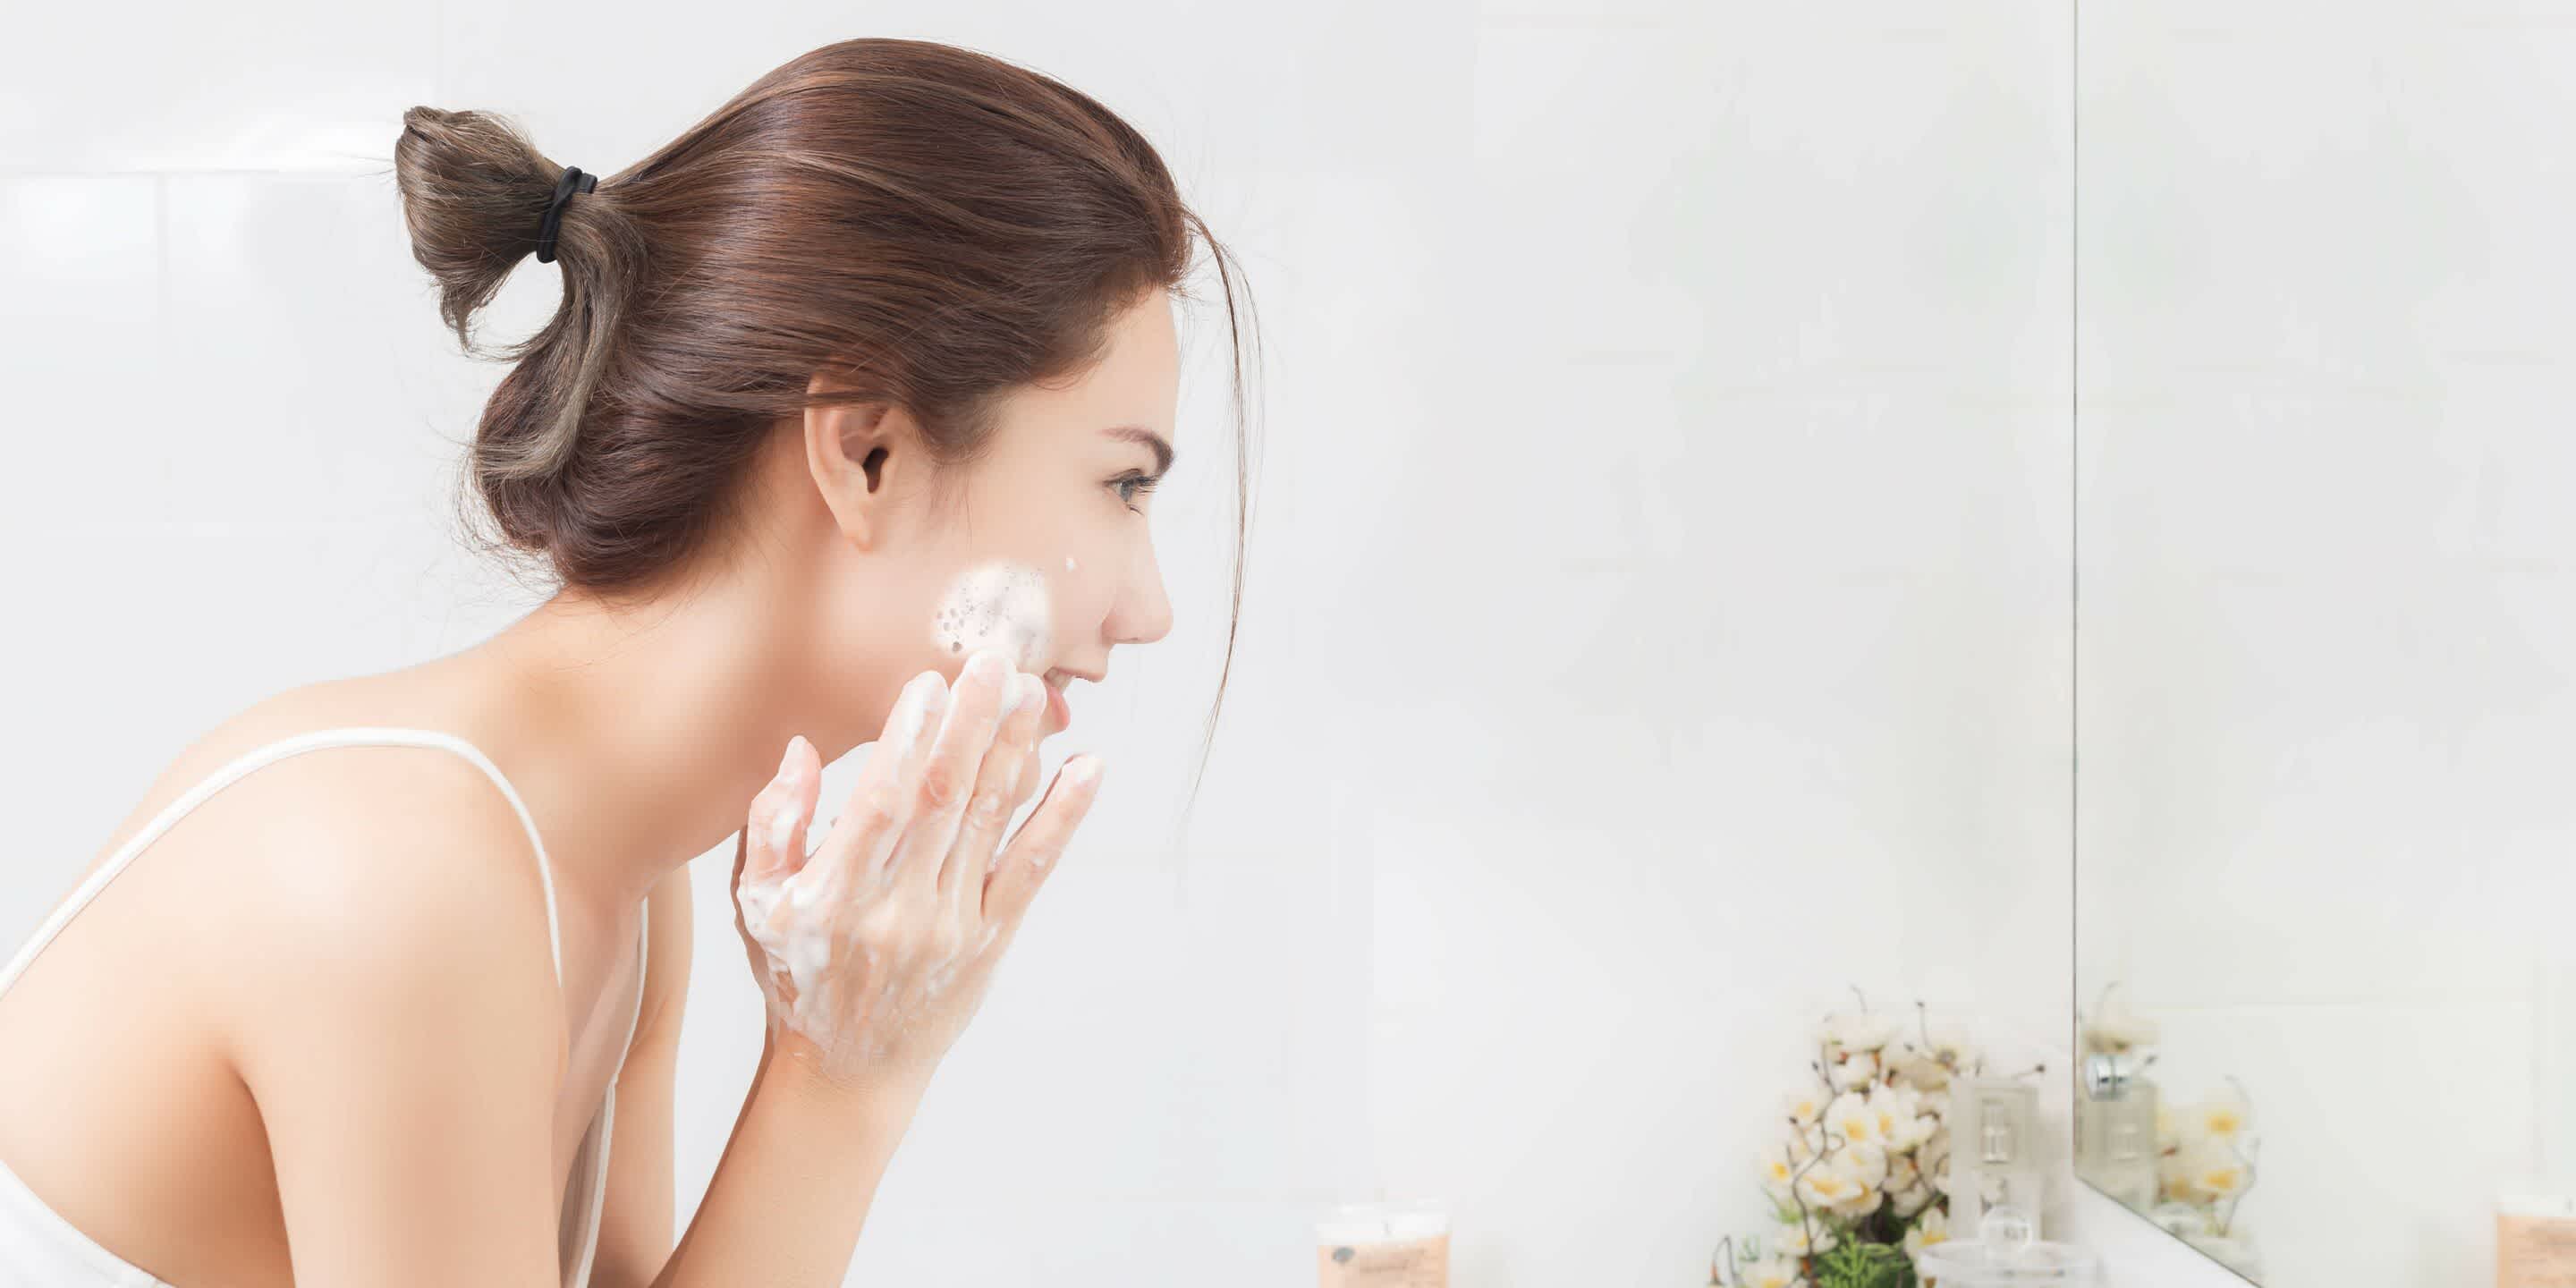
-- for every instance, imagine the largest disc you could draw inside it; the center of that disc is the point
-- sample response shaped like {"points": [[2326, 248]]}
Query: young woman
{"points": [[843, 434]]}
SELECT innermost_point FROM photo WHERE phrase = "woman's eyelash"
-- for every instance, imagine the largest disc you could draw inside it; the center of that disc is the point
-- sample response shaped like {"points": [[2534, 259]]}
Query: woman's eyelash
{"points": [[1140, 482]]}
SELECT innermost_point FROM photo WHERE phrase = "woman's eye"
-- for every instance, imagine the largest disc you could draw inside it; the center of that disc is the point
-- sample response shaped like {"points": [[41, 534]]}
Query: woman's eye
{"points": [[1139, 482]]}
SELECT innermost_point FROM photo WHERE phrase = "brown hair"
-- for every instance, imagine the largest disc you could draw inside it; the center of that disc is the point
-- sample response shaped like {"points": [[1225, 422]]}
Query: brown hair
{"points": [[931, 224]]}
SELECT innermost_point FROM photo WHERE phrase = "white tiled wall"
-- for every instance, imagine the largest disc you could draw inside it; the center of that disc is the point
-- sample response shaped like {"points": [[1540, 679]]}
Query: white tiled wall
{"points": [[2325, 596], [1657, 607]]}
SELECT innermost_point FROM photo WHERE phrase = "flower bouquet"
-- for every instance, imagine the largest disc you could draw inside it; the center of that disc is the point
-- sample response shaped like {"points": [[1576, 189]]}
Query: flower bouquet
{"points": [[1859, 1180]]}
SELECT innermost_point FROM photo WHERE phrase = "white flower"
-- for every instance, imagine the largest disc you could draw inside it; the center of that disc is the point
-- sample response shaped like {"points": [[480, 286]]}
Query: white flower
{"points": [[2214, 1172], [2225, 1115], [1828, 1185], [1912, 1199], [1919, 1068], [1858, 1031], [1804, 1107], [1951, 1047], [1934, 1157], [1772, 1274], [1856, 1071], [1892, 1102], [1797, 1240], [1779, 1171], [1852, 1117], [2120, 1033], [1848, 1183], [2173, 1175], [1929, 1061], [1866, 1164], [2202, 1172], [1933, 1228], [1806, 1142], [1870, 1201], [1901, 1122]]}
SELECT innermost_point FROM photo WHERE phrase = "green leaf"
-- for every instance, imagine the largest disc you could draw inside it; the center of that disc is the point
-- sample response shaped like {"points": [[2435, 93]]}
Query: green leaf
{"points": [[1865, 1265]]}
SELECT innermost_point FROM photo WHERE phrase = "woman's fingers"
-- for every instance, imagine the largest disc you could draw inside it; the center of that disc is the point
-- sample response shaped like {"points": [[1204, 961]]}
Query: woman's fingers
{"points": [[995, 795], [955, 765], [773, 830], [1032, 853], [880, 804], [1024, 784]]}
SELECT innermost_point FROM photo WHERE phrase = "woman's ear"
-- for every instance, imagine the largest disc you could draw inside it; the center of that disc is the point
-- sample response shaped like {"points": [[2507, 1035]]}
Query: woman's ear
{"points": [[850, 450]]}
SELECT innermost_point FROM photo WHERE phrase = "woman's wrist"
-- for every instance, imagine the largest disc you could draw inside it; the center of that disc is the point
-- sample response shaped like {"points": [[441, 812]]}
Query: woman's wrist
{"points": [[792, 1070], [798, 1177]]}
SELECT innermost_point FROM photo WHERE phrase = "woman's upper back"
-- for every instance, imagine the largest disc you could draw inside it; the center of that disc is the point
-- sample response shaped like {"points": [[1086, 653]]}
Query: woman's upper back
{"points": [[333, 922]]}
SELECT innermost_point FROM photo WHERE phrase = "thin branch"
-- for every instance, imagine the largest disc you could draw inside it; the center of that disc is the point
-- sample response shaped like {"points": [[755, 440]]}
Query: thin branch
{"points": [[1733, 1274]]}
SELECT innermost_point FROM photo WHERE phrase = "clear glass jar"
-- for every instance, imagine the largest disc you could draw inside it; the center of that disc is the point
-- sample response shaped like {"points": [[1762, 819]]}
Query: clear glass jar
{"points": [[2004, 1255]]}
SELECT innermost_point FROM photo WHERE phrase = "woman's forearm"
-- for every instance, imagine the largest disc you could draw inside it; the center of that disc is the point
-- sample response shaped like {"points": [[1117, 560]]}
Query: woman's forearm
{"points": [[794, 1184]]}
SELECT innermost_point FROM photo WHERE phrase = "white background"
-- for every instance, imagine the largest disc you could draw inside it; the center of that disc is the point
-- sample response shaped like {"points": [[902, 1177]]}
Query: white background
{"points": [[1658, 600]]}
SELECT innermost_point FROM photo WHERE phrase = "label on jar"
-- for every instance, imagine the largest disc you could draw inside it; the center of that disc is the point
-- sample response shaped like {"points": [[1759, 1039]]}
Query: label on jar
{"points": [[1402, 1263]]}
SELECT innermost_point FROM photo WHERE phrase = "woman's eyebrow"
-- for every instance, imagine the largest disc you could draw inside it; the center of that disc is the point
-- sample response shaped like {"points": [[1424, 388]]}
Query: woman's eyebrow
{"points": [[1140, 434]]}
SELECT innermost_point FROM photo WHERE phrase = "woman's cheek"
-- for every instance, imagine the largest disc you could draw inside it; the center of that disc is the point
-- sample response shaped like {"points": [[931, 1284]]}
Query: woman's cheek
{"points": [[1000, 604]]}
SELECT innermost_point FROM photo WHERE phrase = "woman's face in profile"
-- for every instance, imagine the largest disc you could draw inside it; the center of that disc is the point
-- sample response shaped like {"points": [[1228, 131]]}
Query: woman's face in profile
{"points": [[1048, 554]]}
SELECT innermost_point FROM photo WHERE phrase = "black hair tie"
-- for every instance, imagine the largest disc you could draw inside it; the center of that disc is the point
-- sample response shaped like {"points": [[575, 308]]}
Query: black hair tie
{"points": [[573, 181]]}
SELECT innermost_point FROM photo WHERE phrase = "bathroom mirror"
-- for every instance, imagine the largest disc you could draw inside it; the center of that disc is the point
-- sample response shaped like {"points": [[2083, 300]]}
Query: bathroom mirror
{"points": [[2326, 611]]}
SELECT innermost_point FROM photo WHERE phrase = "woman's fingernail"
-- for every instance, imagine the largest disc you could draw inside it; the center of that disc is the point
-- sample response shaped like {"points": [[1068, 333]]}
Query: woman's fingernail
{"points": [[1084, 771], [789, 764]]}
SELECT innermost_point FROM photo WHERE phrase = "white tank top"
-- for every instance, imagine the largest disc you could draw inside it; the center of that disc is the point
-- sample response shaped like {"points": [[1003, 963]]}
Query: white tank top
{"points": [[37, 1246]]}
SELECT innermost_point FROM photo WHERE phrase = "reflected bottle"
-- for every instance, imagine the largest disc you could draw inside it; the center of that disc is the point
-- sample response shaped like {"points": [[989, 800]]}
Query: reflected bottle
{"points": [[2115, 1131]]}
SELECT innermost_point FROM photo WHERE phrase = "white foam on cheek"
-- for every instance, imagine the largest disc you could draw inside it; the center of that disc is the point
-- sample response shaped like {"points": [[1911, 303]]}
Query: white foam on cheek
{"points": [[1001, 605], [1070, 565]]}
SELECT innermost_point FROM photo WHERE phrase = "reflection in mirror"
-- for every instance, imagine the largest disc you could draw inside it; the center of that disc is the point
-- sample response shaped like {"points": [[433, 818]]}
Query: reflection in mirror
{"points": [[2326, 602], [2187, 1163]]}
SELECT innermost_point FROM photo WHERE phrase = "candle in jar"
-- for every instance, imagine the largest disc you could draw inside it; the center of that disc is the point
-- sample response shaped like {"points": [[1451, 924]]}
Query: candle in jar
{"points": [[1383, 1246]]}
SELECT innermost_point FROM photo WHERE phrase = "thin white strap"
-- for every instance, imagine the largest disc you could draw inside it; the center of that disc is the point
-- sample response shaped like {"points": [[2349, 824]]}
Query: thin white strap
{"points": [[254, 759], [608, 1102]]}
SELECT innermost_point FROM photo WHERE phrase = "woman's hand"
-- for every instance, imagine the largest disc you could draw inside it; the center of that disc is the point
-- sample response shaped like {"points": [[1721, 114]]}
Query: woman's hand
{"points": [[877, 949]]}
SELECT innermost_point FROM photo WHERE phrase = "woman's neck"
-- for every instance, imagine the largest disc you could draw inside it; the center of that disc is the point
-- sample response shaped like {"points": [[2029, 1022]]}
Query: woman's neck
{"points": [[637, 736]]}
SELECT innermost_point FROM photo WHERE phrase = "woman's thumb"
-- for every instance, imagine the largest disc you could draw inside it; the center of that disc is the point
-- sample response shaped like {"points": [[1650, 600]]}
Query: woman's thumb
{"points": [[774, 832]]}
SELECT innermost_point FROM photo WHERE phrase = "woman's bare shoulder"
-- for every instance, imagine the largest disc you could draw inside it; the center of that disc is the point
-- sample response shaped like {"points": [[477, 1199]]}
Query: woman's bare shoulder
{"points": [[303, 709], [353, 867]]}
